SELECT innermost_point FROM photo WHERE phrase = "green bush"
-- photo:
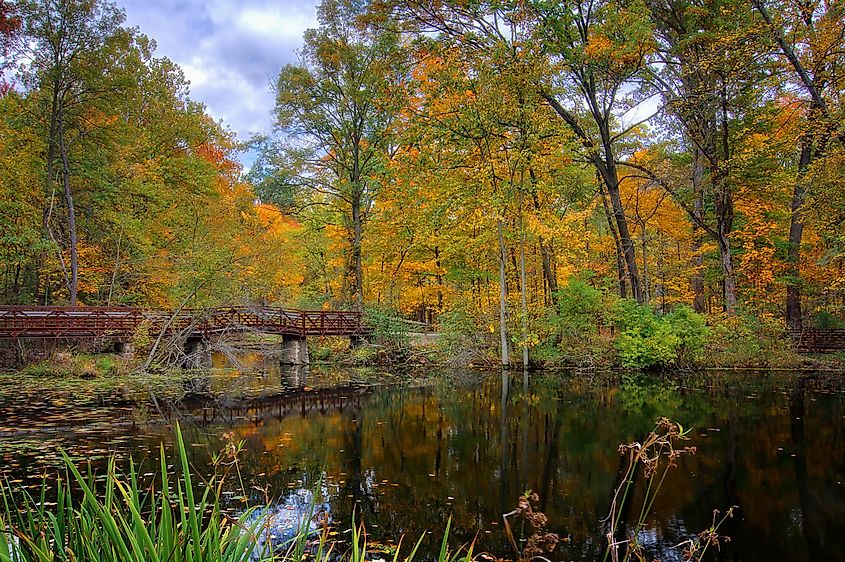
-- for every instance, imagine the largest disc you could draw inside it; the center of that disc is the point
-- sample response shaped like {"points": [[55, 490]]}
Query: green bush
{"points": [[387, 327], [691, 329], [459, 333], [824, 320], [571, 333], [745, 340], [580, 309], [320, 353], [648, 340]]}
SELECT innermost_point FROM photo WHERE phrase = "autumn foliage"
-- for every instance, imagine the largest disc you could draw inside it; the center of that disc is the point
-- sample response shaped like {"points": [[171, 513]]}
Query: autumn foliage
{"points": [[449, 158]]}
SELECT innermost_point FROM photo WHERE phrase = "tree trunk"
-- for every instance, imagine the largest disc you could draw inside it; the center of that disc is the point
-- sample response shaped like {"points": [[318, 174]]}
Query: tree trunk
{"points": [[729, 282], [644, 244], [724, 206], [546, 253], [503, 311], [625, 241], [522, 287], [697, 279], [549, 276], [620, 263], [794, 319], [605, 165], [358, 274], [439, 278], [48, 193], [73, 286]]}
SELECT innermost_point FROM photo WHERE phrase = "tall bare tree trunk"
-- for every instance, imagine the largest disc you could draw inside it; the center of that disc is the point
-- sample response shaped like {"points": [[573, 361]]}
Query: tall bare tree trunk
{"points": [[620, 263], [523, 287], [605, 161], [625, 240], [549, 275], [724, 207], [546, 253], [48, 194], [644, 245], [503, 310], [697, 280], [794, 320], [729, 282], [73, 286], [358, 273], [812, 78]]}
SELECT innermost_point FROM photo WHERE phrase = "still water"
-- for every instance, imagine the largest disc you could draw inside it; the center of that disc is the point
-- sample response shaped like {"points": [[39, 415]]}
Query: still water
{"points": [[409, 455]]}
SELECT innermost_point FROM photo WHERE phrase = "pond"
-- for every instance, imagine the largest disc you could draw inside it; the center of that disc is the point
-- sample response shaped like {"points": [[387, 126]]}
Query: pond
{"points": [[407, 456]]}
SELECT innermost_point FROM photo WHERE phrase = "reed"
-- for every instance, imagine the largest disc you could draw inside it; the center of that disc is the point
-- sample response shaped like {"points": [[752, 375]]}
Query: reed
{"points": [[120, 520]]}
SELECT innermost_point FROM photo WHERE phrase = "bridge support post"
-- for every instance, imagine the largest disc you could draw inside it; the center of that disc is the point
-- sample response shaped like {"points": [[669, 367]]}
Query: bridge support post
{"points": [[295, 376], [295, 351], [197, 353]]}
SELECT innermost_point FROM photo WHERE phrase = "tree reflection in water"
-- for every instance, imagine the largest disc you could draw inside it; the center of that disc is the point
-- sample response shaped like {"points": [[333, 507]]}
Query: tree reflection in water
{"points": [[467, 445]]}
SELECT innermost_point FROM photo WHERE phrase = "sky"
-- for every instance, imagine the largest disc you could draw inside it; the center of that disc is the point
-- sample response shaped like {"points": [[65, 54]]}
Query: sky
{"points": [[230, 50]]}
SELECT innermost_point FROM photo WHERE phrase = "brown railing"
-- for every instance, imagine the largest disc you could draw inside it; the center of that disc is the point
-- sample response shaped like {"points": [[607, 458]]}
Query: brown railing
{"points": [[122, 322], [816, 340]]}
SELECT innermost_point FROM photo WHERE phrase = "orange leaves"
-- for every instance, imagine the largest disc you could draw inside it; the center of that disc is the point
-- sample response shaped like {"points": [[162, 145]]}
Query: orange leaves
{"points": [[218, 156], [760, 264], [599, 47]]}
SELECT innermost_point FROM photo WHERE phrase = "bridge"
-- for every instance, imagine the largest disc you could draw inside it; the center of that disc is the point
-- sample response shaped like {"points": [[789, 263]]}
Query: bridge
{"points": [[816, 340], [122, 323]]}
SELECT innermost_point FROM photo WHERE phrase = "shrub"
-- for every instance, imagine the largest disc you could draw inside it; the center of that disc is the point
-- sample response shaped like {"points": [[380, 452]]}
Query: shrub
{"points": [[691, 328], [648, 340], [387, 326], [824, 320], [745, 340], [580, 309], [462, 339], [572, 331]]}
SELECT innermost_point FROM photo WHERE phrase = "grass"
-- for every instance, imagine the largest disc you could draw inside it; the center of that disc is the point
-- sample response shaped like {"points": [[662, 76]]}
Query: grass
{"points": [[123, 521]]}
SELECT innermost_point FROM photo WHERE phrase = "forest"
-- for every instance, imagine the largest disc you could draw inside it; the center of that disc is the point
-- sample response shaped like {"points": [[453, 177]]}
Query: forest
{"points": [[523, 174]]}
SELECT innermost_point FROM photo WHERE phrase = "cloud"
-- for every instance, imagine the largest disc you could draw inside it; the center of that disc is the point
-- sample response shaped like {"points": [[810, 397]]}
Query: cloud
{"points": [[230, 50]]}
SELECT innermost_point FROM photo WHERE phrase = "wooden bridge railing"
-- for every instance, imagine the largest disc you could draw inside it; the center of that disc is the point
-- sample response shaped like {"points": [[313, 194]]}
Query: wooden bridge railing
{"points": [[122, 322], [814, 340]]}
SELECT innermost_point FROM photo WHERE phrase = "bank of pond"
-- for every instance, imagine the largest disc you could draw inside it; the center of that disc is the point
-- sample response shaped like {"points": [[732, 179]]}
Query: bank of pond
{"points": [[408, 455]]}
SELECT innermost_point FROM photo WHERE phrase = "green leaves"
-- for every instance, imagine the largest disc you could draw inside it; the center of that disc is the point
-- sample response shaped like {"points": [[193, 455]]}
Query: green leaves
{"points": [[649, 340], [125, 522]]}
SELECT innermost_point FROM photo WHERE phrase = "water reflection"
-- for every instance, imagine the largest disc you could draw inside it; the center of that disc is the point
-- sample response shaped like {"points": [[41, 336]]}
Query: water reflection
{"points": [[299, 512], [467, 445]]}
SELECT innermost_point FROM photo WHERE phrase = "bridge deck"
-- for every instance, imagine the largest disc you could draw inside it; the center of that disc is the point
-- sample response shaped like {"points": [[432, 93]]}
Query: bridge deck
{"points": [[123, 322]]}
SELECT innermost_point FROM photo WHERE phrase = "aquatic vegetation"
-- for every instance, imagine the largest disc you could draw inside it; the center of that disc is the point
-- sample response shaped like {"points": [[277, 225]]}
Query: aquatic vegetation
{"points": [[124, 521], [539, 542], [654, 457]]}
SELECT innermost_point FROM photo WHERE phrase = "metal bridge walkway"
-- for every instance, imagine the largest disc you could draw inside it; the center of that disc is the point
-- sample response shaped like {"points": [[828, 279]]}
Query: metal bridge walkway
{"points": [[121, 323]]}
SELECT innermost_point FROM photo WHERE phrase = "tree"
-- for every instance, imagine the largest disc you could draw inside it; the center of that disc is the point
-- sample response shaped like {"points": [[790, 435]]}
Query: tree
{"points": [[339, 107], [808, 36], [10, 26], [71, 45], [593, 51], [709, 76]]}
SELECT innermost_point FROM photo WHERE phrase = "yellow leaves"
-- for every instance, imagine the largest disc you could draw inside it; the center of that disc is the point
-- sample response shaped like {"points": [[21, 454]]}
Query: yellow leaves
{"points": [[598, 47]]}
